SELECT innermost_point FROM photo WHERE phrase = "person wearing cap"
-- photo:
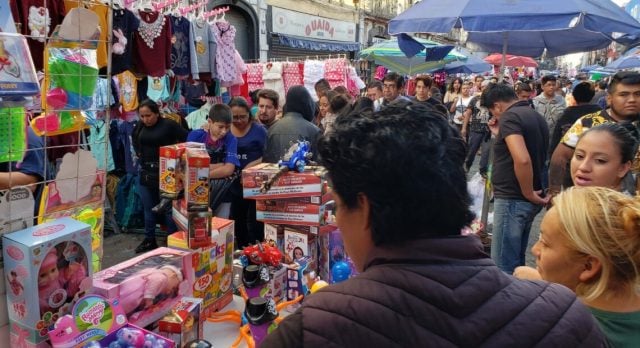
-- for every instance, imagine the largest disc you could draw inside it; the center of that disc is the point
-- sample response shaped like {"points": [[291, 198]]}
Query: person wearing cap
{"points": [[144, 288]]}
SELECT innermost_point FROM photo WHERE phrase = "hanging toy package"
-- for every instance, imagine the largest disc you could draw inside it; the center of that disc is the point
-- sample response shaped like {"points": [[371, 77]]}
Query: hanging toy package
{"points": [[17, 73], [13, 135], [73, 74]]}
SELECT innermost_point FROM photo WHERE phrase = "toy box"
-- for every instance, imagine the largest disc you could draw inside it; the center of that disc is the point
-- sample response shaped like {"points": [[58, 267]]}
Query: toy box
{"points": [[196, 179], [307, 211], [19, 74], [198, 227], [147, 285], [294, 241], [299, 274], [46, 268], [311, 182], [212, 264], [92, 318], [333, 263], [184, 323], [171, 167]]}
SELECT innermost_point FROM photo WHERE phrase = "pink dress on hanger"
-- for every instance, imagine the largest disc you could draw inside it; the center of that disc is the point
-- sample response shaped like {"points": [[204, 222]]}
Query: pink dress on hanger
{"points": [[226, 67]]}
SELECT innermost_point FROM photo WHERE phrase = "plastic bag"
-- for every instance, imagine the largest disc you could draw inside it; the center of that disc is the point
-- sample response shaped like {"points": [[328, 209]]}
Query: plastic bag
{"points": [[476, 186]]}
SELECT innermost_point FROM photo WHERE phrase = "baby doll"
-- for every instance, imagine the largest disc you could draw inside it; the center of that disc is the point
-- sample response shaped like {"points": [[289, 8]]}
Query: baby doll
{"points": [[140, 290], [73, 275], [50, 291]]}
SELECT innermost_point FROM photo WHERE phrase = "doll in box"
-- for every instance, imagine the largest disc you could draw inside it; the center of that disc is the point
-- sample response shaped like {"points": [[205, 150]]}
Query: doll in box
{"points": [[60, 278], [148, 287]]}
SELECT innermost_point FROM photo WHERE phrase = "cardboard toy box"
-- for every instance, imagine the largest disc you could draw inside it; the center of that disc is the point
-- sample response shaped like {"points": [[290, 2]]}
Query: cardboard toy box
{"points": [[184, 323], [47, 268], [331, 251], [172, 166], [307, 211], [197, 226], [309, 183], [148, 285], [293, 241], [212, 264], [196, 179], [92, 318]]}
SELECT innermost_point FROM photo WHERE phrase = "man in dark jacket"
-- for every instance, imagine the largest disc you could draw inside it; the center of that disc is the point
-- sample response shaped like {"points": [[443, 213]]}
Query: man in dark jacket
{"points": [[294, 125], [422, 282]]}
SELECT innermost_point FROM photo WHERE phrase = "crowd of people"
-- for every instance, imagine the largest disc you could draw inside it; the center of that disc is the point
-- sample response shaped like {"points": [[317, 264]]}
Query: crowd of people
{"points": [[398, 165]]}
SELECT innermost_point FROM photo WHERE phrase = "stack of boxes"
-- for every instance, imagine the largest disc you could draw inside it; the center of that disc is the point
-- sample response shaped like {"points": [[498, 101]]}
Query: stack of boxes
{"points": [[184, 168], [298, 214]]}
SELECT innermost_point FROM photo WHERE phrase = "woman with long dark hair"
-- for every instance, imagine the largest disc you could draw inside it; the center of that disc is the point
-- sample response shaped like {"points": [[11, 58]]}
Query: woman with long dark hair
{"points": [[150, 133]]}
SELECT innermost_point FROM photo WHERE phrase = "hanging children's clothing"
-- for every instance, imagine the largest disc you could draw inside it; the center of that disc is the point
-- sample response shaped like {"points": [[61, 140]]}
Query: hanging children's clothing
{"points": [[152, 53], [254, 76], [272, 77], [203, 48], [127, 90], [291, 75], [158, 88], [313, 71], [125, 24], [225, 34], [180, 49], [37, 19], [103, 12], [335, 72], [101, 146]]}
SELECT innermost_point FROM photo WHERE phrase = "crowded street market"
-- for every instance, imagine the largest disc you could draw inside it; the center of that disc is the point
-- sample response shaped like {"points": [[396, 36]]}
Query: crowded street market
{"points": [[278, 173]]}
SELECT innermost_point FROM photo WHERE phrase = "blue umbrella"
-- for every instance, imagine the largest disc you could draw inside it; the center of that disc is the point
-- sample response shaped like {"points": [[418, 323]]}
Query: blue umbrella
{"points": [[521, 27], [629, 60], [590, 67], [473, 65]]}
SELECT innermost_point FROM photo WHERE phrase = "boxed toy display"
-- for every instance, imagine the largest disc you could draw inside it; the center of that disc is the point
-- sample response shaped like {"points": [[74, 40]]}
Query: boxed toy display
{"points": [[211, 265], [307, 211], [184, 323], [148, 285], [92, 318], [196, 179], [172, 167], [47, 268], [311, 182]]}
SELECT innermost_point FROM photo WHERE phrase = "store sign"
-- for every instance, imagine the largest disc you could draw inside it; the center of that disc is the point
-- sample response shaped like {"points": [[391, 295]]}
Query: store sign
{"points": [[312, 27]]}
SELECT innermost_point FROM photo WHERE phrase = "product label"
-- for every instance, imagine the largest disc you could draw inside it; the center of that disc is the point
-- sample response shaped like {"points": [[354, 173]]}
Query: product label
{"points": [[93, 314], [45, 231]]}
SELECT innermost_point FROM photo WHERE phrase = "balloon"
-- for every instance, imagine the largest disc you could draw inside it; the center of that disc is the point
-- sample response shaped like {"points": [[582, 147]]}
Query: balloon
{"points": [[57, 98], [340, 272]]}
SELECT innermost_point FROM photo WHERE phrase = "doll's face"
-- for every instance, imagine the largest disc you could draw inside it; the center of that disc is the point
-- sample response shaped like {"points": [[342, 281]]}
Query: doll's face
{"points": [[47, 275], [172, 283]]}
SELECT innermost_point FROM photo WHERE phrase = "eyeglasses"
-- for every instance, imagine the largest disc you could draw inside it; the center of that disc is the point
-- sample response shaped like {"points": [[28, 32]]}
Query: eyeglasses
{"points": [[240, 117]]}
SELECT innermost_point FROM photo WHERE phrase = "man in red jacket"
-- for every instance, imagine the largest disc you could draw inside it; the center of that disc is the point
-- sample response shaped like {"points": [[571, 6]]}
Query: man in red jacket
{"points": [[401, 202]]}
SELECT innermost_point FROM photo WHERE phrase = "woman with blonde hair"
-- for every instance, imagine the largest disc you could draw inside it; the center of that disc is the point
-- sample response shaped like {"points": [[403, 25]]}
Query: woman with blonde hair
{"points": [[590, 243]]}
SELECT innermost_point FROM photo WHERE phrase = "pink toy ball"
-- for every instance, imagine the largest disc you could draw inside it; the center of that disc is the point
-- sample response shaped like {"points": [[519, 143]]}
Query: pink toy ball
{"points": [[57, 98]]}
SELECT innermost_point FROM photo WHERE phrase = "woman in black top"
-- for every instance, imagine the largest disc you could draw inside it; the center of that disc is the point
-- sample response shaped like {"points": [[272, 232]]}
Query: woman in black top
{"points": [[151, 133]]}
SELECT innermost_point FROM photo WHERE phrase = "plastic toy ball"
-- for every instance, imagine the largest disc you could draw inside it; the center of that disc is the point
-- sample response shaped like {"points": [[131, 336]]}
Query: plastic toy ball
{"points": [[57, 98], [318, 285], [340, 271]]}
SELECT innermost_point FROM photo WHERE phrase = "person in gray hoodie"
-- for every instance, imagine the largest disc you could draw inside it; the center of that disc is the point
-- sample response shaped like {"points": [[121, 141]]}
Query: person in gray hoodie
{"points": [[295, 124], [548, 103]]}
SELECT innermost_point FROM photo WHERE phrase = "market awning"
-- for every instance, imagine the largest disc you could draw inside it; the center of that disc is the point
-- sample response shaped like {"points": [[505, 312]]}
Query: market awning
{"points": [[318, 45]]}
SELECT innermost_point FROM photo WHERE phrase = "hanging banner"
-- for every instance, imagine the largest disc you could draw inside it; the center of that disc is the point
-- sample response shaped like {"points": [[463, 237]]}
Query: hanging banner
{"points": [[310, 26]]}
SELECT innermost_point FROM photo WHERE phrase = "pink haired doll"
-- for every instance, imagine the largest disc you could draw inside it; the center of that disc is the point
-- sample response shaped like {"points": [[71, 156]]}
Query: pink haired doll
{"points": [[50, 291], [140, 290]]}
